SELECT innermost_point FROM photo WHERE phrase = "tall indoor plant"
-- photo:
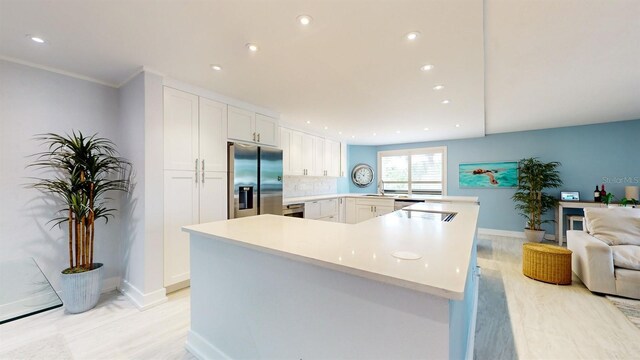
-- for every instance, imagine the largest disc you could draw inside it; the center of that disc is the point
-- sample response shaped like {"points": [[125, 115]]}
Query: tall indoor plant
{"points": [[85, 171], [534, 176]]}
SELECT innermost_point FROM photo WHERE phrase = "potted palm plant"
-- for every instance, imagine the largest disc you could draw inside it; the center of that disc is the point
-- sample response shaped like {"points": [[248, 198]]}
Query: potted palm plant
{"points": [[86, 169], [533, 177]]}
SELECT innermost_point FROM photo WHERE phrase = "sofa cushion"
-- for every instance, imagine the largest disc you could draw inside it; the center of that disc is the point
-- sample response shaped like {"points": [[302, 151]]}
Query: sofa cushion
{"points": [[614, 226], [626, 256]]}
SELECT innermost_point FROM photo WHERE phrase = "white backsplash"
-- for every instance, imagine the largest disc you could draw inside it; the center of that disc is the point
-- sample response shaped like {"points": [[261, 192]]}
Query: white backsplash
{"points": [[296, 186]]}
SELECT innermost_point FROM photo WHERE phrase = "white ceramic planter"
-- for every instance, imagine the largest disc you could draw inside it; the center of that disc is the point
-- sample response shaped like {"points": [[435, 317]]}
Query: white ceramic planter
{"points": [[534, 235], [81, 292]]}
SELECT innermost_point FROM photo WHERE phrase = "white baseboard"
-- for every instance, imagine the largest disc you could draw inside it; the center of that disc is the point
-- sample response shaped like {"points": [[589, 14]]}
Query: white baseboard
{"points": [[496, 232], [141, 300], [507, 233], [202, 349]]}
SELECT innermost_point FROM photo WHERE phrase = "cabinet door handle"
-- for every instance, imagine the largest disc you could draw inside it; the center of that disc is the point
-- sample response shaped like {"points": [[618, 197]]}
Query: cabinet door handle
{"points": [[203, 171], [196, 171], [254, 136], [258, 137]]}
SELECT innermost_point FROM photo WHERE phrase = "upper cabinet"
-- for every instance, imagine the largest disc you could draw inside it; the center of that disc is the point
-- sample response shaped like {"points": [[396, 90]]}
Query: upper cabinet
{"points": [[308, 155], [180, 130], [195, 130], [248, 126]]}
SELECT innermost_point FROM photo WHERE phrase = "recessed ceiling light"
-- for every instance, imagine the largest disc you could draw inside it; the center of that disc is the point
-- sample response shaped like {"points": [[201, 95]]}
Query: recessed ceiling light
{"points": [[397, 131], [304, 19], [426, 129], [374, 134], [308, 121], [413, 35], [426, 67], [216, 67], [353, 136], [326, 128], [252, 47], [438, 87], [457, 125], [37, 39], [446, 101], [339, 132]]}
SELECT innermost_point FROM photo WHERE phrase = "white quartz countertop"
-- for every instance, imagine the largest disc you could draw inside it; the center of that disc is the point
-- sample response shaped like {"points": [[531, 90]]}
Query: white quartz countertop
{"points": [[366, 249], [428, 198]]}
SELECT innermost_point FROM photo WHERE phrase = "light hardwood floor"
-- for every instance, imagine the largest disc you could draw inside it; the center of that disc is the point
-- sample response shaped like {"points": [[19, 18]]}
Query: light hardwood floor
{"points": [[518, 318]]}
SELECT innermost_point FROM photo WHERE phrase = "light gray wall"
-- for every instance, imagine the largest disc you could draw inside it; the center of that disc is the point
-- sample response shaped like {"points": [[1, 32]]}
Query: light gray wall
{"points": [[143, 143], [35, 101]]}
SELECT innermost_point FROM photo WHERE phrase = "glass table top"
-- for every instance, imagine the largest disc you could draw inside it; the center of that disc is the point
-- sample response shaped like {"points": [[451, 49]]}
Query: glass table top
{"points": [[24, 290]]}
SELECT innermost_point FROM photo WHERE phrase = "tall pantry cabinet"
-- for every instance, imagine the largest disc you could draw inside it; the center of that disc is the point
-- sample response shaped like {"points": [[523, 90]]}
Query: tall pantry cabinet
{"points": [[195, 178]]}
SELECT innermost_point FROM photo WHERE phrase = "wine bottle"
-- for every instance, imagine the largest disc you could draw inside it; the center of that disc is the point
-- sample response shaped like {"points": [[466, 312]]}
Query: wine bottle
{"points": [[603, 193], [596, 195]]}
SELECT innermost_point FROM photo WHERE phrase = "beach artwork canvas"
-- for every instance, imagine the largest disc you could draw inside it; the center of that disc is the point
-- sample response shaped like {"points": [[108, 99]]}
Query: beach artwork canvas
{"points": [[489, 175]]}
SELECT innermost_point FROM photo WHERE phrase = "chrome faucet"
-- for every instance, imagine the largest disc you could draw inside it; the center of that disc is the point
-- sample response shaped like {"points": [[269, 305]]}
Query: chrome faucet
{"points": [[381, 187]]}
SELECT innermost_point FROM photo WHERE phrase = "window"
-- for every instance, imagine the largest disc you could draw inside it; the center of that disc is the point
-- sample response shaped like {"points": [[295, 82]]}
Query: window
{"points": [[414, 171]]}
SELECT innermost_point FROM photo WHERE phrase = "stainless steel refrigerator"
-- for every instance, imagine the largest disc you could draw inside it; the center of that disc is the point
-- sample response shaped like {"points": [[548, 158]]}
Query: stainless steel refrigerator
{"points": [[255, 180]]}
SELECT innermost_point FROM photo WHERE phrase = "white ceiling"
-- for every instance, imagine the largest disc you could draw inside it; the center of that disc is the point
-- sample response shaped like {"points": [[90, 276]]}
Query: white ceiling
{"points": [[548, 63]]}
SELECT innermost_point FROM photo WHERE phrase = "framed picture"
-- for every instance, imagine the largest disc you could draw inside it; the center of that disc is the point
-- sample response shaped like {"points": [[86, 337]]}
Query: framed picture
{"points": [[502, 174]]}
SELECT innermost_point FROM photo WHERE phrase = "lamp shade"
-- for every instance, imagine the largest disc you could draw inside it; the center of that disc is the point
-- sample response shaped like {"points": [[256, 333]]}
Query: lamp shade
{"points": [[632, 192]]}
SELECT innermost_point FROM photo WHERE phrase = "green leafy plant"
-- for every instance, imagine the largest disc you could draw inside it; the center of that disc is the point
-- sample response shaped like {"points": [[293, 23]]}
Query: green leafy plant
{"points": [[608, 198], [85, 169], [533, 177], [624, 201]]}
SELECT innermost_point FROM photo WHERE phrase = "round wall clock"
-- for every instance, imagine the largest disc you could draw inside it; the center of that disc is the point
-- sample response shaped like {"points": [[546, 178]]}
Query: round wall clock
{"points": [[362, 175]]}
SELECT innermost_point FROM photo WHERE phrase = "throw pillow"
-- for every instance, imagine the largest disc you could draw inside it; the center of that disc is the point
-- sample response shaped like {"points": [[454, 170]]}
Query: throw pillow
{"points": [[614, 226], [626, 256]]}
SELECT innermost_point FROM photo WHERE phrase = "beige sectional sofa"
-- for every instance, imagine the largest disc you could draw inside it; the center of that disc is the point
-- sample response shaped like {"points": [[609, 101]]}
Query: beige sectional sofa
{"points": [[606, 256]]}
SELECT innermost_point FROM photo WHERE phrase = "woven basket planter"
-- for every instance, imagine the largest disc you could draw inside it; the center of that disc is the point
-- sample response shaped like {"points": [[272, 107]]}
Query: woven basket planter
{"points": [[547, 263]]}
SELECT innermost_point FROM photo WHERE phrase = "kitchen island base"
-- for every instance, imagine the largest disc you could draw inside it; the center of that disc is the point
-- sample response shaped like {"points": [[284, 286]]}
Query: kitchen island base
{"points": [[250, 304]]}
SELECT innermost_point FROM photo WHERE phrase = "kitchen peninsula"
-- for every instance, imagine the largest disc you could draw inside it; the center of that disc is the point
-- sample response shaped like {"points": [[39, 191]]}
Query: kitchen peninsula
{"points": [[402, 285]]}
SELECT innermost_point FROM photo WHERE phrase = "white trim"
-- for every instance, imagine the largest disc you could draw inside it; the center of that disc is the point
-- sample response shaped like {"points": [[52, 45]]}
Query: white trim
{"points": [[57, 71], [201, 348], [471, 339], [196, 90], [417, 151], [496, 232], [140, 300], [507, 233]]}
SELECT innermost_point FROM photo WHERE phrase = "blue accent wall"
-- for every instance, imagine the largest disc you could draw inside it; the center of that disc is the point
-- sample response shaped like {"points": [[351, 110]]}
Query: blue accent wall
{"points": [[590, 155]]}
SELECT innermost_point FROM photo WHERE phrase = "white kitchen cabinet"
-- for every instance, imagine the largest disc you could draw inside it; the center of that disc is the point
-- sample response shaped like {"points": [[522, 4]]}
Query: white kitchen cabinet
{"points": [[307, 154], [285, 145], [332, 158], [350, 211], [364, 212], [344, 171], [245, 125], [195, 179], [342, 210], [266, 129], [296, 142], [180, 130], [180, 209], [241, 124], [318, 157], [328, 208], [368, 208], [312, 210], [212, 139]]}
